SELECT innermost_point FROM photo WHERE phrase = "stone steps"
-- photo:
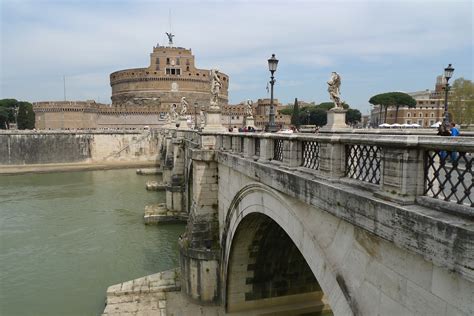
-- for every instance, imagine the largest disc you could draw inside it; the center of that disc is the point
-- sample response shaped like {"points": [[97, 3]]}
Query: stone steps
{"points": [[142, 296], [158, 213]]}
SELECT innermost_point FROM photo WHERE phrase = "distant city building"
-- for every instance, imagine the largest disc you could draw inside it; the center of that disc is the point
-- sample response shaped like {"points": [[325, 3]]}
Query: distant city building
{"points": [[429, 109], [234, 115]]}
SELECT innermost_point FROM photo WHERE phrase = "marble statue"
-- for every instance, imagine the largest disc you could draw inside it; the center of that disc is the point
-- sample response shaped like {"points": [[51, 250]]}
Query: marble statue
{"points": [[215, 86], [184, 106], [248, 108], [202, 117], [173, 113], [334, 85]]}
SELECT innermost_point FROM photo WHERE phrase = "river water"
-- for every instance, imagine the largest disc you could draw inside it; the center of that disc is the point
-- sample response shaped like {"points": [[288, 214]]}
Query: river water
{"points": [[65, 237]]}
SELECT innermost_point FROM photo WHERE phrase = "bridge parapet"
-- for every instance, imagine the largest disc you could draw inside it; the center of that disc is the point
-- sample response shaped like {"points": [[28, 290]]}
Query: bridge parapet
{"points": [[429, 170], [415, 191]]}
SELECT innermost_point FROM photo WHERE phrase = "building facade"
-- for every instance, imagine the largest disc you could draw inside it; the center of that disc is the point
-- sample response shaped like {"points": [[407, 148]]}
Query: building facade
{"points": [[429, 109], [233, 116]]}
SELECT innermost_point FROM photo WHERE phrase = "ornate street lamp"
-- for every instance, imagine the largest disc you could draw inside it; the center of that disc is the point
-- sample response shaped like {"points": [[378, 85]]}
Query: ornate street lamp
{"points": [[272, 66], [448, 73]]}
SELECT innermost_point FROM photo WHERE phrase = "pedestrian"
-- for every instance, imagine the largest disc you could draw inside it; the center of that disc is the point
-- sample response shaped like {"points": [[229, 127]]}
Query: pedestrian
{"points": [[443, 131], [454, 133]]}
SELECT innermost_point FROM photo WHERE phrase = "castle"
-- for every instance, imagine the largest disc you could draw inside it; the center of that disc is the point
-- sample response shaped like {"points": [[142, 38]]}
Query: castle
{"points": [[140, 96]]}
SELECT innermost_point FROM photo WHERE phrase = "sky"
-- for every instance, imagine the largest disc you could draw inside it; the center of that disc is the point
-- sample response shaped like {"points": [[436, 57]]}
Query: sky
{"points": [[376, 46]]}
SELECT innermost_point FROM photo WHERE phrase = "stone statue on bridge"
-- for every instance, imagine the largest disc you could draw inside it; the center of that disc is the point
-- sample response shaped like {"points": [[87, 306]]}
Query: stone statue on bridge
{"points": [[215, 88], [248, 108], [184, 106], [173, 114], [334, 85]]}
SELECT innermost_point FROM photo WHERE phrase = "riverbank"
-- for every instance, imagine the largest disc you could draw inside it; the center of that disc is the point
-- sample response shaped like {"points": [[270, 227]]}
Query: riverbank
{"points": [[70, 167]]}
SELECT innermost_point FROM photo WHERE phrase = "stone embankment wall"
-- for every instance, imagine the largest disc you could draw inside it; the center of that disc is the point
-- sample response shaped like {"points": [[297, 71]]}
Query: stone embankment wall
{"points": [[31, 147]]}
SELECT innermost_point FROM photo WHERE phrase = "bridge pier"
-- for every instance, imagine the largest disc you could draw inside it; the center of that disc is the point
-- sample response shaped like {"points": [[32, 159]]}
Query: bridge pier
{"points": [[199, 245], [175, 186]]}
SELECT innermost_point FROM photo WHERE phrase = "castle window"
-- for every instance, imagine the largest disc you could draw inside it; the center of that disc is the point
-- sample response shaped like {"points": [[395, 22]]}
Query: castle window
{"points": [[187, 62], [167, 61], [187, 68], [420, 115], [409, 114], [168, 71], [157, 61], [178, 72], [173, 71], [432, 115]]}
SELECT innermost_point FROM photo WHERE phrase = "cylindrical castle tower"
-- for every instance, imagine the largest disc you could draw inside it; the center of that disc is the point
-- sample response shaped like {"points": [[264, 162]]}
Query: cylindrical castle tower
{"points": [[171, 75]]}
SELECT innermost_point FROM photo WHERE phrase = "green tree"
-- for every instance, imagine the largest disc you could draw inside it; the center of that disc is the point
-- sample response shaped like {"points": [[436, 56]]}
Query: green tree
{"points": [[295, 120], [395, 99], [461, 101], [8, 108], [286, 111], [26, 116], [353, 116], [4, 123]]}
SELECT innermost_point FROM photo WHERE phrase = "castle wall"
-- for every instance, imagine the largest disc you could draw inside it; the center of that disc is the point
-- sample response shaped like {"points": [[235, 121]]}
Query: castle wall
{"points": [[46, 147]]}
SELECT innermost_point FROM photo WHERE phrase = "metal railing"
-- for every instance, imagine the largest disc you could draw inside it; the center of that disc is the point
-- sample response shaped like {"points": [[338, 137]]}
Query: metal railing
{"points": [[363, 163], [449, 176], [278, 149], [310, 154]]}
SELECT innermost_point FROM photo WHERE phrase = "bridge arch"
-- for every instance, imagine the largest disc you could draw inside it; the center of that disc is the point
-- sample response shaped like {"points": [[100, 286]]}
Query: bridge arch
{"points": [[261, 220]]}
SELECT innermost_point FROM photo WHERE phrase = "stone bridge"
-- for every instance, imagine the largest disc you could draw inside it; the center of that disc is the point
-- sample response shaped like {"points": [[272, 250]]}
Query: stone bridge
{"points": [[321, 224]]}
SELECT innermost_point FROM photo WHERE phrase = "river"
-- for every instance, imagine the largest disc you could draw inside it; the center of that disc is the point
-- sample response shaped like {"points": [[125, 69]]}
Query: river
{"points": [[65, 237]]}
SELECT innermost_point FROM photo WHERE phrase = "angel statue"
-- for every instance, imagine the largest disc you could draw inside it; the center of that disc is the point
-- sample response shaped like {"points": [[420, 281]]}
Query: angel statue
{"points": [[215, 84], [173, 113], [334, 84], [248, 108], [202, 117], [184, 106], [170, 38]]}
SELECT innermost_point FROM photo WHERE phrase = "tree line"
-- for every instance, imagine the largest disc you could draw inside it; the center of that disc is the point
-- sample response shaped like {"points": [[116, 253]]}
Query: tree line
{"points": [[316, 114], [20, 112]]}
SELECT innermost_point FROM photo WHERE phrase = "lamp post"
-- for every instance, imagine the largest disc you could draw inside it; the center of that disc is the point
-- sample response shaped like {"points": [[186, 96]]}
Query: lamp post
{"points": [[448, 73], [195, 115], [272, 66]]}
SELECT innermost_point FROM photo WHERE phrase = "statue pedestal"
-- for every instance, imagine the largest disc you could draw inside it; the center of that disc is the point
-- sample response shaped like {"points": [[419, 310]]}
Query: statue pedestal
{"points": [[213, 123], [183, 123], [336, 121], [249, 121]]}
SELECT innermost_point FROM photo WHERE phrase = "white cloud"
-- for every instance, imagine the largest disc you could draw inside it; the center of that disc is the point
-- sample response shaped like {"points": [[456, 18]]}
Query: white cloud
{"points": [[46, 39]]}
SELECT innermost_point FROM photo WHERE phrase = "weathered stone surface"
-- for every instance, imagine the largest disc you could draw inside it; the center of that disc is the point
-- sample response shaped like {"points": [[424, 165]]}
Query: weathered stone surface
{"points": [[149, 171], [158, 213]]}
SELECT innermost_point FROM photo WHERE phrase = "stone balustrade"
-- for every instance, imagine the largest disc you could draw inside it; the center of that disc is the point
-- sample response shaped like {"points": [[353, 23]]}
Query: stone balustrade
{"points": [[404, 168]]}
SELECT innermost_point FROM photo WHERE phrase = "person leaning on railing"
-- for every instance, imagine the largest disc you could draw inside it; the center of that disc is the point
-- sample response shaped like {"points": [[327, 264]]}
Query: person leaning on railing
{"points": [[443, 131], [454, 132]]}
